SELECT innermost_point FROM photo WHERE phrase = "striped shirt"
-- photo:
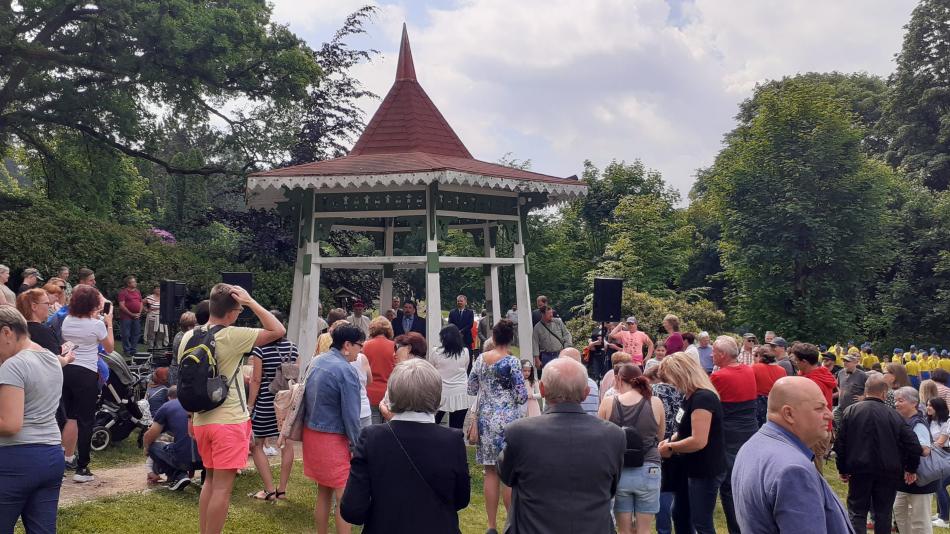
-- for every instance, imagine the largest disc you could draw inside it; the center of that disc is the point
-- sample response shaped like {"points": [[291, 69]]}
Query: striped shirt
{"points": [[264, 422]]}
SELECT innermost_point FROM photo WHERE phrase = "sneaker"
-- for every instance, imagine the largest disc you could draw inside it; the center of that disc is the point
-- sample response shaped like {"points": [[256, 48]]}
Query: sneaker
{"points": [[179, 483], [83, 474], [271, 451], [71, 464], [940, 523], [935, 517]]}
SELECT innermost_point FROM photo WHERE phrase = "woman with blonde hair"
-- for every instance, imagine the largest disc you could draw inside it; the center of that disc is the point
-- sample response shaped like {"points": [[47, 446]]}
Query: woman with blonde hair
{"points": [[698, 443], [928, 390]]}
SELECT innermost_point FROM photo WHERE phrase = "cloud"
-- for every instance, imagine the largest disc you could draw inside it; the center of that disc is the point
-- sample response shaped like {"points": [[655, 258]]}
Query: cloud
{"points": [[559, 82]]}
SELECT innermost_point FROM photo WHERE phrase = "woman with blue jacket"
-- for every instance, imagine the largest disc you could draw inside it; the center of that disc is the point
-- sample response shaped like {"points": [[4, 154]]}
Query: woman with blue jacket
{"points": [[332, 416]]}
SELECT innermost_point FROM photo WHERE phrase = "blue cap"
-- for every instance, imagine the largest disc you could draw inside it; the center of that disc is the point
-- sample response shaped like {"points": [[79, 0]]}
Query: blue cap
{"points": [[822, 348], [898, 351], [913, 347], [944, 353]]}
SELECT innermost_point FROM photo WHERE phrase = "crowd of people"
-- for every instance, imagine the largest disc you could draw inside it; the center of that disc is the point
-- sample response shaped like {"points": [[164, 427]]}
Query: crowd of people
{"points": [[622, 432]]}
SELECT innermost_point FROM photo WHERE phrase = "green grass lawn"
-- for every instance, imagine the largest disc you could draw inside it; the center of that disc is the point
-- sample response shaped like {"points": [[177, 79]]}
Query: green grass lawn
{"points": [[123, 453], [137, 513]]}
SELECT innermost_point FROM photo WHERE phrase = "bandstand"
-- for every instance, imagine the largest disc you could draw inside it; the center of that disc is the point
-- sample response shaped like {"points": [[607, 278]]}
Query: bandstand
{"points": [[408, 172]]}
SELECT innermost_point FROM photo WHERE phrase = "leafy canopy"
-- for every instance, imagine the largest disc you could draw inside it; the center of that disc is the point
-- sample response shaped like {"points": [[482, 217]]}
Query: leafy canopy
{"points": [[110, 69]]}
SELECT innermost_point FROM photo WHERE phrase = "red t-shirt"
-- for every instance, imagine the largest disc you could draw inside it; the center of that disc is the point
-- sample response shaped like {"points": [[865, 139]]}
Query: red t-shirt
{"points": [[735, 383], [674, 343], [133, 302], [381, 353], [765, 376], [826, 382]]}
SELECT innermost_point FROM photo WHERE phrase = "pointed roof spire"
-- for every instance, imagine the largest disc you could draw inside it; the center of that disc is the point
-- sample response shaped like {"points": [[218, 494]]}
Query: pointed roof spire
{"points": [[407, 120], [405, 70]]}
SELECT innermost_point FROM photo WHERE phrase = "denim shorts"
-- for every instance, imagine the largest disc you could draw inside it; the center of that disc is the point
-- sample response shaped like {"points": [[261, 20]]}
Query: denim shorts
{"points": [[638, 490]]}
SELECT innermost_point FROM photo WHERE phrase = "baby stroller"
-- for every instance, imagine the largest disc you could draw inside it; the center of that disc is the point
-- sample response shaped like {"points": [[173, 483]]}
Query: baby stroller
{"points": [[120, 412]]}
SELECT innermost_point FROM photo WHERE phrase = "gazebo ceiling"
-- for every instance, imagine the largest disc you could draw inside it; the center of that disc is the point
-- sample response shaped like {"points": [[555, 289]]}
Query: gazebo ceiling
{"points": [[407, 142]]}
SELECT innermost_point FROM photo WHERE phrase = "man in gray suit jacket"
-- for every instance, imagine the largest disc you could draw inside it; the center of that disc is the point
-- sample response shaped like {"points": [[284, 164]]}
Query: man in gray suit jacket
{"points": [[562, 466]]}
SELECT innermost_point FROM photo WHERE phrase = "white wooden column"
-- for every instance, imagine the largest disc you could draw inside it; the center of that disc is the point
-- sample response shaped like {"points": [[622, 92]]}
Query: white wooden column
{"points": [[310, 304], [386, 287], [523, 296], [491, 279], [293, 325], [433, 286]]}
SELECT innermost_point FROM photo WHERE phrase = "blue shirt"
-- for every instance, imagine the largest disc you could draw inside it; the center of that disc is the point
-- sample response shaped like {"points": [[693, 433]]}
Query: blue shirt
{"points": [[776, 487], [705, 357], [332, 396], [174, 420], [407, 323]]}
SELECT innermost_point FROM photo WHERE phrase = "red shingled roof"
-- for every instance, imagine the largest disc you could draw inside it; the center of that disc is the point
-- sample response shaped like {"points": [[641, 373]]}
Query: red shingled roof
{"points": [[408, 134]]}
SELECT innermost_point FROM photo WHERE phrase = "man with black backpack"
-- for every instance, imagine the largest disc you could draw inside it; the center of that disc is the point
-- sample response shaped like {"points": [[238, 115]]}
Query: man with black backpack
{"points": [[211, 387]]}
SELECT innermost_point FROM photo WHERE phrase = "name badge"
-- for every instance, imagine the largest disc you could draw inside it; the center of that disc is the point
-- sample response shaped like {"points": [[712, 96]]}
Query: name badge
{"points": [[679, 416]]}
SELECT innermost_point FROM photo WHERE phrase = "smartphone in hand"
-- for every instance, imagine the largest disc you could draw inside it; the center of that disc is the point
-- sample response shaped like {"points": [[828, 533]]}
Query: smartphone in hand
{"points": [[107, 308], [67, 347]]}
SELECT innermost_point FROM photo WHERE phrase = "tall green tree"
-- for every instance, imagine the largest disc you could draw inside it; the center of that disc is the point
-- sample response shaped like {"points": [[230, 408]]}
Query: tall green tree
{"points": [[802, 211], [109, 70], [918, 110]]}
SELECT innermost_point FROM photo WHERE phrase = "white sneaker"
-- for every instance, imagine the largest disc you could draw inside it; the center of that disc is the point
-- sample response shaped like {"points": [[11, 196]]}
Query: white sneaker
{"points": [[270, 451], [83, 475], [940, 523]]}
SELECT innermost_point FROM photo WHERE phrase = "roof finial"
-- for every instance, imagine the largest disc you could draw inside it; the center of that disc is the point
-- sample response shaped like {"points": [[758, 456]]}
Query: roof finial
{"points": [[405, 70]]}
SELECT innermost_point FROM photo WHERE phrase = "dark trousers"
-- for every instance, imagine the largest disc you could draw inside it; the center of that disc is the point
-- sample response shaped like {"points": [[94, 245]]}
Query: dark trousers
{"points": [[694, 504], [664, 519], [875, 494], [943, 500], [80, 393], [131, 332], [164, 461], [30, 478], [456, 418], [545, 358], [598, 365]]}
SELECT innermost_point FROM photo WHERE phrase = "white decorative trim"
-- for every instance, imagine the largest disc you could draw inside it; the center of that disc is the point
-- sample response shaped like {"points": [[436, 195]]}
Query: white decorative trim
{"points": [[265, 191]]}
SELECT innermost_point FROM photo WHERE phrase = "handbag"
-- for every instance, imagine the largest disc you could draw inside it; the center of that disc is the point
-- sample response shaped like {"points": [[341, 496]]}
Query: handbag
{"points": [[287, 371], [470, 425], [291, 425], [933, 467]]}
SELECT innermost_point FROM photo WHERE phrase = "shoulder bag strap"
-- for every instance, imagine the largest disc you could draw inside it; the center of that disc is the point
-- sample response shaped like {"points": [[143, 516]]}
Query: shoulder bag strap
{"points": [[559, 339], [413, 464]]}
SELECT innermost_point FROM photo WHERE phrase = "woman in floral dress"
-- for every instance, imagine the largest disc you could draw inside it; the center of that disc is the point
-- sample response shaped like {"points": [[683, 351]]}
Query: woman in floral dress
{"points": [[497, 380]]}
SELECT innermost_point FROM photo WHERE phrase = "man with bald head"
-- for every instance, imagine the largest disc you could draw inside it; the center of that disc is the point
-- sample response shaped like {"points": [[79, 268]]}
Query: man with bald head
{"points": [[592, 402], [563, 466], [875, 450], [774, 482]]}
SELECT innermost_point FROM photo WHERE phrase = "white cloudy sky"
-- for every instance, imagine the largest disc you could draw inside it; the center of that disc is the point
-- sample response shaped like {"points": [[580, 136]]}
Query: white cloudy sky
{"points": [[559, 81]]}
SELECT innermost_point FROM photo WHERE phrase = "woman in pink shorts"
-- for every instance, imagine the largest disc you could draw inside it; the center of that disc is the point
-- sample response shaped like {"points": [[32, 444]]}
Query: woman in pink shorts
{"points": [[332, 413]]}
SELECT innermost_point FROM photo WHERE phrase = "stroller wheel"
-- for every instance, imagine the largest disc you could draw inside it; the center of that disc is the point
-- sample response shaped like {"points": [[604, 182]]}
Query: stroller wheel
{"points": [[100, 438]]}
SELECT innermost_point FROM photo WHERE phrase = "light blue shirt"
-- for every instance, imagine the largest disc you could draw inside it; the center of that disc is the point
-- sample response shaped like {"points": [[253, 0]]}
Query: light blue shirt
{"points": [[705, 357]]}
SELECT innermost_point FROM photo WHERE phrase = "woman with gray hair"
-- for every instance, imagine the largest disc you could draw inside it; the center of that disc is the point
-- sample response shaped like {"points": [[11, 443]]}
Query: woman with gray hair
{"points": [[410, 474], [7, 296], [912, 504]]}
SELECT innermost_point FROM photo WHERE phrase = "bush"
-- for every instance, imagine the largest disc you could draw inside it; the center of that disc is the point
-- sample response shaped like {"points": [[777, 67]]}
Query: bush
{"points": [[35, 232], [695, 314]]}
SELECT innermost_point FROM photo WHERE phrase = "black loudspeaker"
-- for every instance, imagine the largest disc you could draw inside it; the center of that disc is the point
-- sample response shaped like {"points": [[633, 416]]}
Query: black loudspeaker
{"points": [[607, 295], [245, 280], [172, 303]]}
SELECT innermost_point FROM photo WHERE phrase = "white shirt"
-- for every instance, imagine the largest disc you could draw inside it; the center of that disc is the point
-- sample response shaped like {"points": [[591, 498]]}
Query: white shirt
{"points": [[86, 333], [359, 364], [362, 321], [415, 417]]}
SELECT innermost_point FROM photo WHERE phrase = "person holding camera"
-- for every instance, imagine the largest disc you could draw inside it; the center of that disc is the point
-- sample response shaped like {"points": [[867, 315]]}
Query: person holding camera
{"points": [[88, 325]]}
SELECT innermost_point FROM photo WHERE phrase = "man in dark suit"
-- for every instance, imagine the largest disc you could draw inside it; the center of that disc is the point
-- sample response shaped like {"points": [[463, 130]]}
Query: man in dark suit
{"points": [[409, 475], [464, 319], [409, 322], [563, 466]]}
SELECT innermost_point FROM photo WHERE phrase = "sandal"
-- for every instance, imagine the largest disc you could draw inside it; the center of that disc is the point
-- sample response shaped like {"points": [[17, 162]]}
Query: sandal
{"points": [[280, 495], [263, 495]]}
